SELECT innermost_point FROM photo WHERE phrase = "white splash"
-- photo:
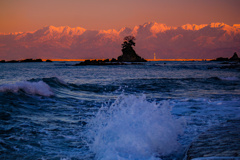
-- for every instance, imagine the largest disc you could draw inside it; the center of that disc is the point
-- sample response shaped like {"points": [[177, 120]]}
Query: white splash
{"points": [[33, 88], [133, 128]]}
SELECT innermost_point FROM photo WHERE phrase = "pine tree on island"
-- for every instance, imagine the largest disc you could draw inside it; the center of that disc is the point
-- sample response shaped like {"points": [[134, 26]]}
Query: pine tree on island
{"points": [[129, 55]]}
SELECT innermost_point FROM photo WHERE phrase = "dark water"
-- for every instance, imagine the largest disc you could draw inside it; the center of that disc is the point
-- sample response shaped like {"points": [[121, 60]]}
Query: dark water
{"points": [[151, 111]]}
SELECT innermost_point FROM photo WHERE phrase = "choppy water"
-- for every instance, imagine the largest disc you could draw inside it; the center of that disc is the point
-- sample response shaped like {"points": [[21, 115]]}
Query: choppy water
{"points": [[137, 112]]}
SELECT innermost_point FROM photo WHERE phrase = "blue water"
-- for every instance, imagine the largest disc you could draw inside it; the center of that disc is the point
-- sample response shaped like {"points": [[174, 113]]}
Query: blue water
{"points": [[138, 112]]}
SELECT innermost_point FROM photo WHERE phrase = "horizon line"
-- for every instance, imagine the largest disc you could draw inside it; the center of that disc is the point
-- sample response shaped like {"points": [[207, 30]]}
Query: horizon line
{"points": [[150, 60]]}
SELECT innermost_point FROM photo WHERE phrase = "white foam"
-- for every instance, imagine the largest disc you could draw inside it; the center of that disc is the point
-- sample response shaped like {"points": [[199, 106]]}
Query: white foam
{"points": [[34, 88], [229, 78], [59, 80], [133, 128]]}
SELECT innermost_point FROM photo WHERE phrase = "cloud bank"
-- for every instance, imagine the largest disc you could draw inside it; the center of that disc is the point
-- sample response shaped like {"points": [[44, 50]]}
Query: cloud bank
{"points": [[188, 41]]}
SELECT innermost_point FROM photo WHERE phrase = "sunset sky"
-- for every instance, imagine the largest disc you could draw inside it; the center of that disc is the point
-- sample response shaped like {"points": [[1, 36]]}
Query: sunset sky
{"points": [[30, 15]]}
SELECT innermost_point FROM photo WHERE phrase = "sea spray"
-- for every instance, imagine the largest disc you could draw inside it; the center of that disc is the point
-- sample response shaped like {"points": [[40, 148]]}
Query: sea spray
{"points": [[33, 88], [133, 128]]}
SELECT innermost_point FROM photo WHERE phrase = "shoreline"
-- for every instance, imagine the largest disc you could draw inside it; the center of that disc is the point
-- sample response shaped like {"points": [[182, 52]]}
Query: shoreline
{"points": [[149, 60], [82, 60]]}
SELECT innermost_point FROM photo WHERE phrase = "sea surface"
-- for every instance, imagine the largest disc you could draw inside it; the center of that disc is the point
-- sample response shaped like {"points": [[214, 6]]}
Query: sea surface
{"points": [[57, 111]]}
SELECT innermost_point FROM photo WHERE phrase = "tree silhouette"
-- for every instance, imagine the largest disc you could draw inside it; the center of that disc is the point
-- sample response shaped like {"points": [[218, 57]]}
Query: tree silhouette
{"points": [[129, 55], [128, 42]]}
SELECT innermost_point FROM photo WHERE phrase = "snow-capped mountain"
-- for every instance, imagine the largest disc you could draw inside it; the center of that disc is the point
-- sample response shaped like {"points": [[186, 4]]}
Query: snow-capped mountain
{"points": [[187, 41]]}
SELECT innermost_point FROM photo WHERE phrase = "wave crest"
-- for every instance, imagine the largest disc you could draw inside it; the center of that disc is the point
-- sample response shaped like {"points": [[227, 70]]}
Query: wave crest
{"points": [[133, 128], [33, 88]]}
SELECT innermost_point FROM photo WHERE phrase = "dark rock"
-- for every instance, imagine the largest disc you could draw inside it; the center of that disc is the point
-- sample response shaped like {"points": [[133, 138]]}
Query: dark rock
{"points": [[99, 62], [234, 57], [48, 60], [31, 60], [106, 60], [12, 61], [27, 60], [87, 61], [38, 60], [129, 55], [113, 60], [221, 59]]}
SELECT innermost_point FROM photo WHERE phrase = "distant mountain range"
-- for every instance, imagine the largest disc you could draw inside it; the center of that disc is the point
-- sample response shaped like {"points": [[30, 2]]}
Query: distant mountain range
{"points": [[188, 41]]}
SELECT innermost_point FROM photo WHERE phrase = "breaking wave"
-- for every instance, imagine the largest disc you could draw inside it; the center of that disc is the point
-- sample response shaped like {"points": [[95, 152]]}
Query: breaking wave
{"points": [[133, 128], [33, 88]]}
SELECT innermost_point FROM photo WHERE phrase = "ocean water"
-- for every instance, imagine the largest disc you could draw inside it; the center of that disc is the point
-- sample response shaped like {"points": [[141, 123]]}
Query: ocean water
{"points": [[57, 111]]}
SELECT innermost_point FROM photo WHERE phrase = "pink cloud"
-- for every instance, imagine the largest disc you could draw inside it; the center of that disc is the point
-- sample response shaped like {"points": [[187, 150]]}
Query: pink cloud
{"points": [[188, 41]]}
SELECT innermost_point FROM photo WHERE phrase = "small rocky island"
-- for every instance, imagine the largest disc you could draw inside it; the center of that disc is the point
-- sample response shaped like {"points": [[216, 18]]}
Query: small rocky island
{"points": [[129, 55], [234, 58], [228, 63], [24, 61]]}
